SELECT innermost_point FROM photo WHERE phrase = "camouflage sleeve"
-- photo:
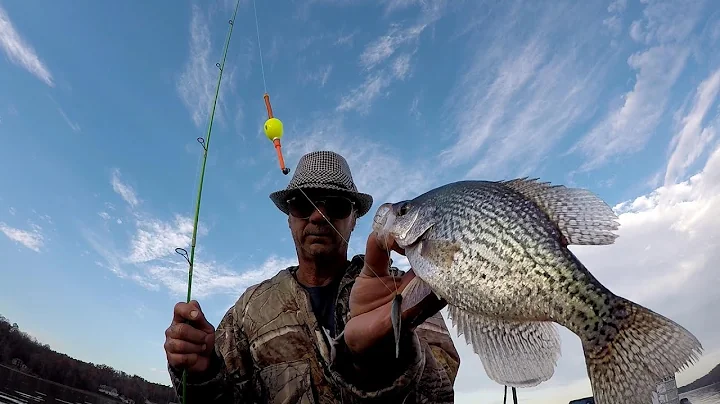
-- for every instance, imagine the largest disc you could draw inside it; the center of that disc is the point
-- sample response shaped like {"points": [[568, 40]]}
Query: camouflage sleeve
{"points": [[441, 364], [228, 380], [427, 371]]}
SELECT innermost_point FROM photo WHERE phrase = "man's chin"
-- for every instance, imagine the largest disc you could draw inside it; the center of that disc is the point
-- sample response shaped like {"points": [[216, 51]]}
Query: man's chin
{"points": [[320, 248]]}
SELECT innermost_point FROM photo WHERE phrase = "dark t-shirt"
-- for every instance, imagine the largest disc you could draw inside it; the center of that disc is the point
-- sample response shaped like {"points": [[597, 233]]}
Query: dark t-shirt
{"points": [[322, 299]]}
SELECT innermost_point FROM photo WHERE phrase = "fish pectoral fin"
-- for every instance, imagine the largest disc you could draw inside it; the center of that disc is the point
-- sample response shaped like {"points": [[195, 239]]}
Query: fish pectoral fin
{"points": [[414, 293], [440, 253], [582, 217], [513, 353]]}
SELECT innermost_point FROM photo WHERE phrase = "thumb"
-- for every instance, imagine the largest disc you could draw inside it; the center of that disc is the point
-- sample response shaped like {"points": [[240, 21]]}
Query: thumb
{"points": [[200, 321], [377, 255]]}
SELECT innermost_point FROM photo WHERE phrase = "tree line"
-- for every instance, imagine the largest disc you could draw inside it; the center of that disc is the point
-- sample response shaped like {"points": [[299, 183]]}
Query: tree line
{"points": [[22, 351]]}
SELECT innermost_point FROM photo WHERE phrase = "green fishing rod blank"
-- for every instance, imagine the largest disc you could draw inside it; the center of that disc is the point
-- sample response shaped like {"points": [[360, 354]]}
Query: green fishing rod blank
{"points": [[205, 143]]}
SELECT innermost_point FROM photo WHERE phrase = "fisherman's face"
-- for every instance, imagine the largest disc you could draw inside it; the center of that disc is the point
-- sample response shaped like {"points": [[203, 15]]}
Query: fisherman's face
{"points": [[312, 228]]}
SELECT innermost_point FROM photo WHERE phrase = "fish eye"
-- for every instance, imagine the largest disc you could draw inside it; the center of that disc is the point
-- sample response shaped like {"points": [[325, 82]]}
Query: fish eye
{"points": [[403, 208]]}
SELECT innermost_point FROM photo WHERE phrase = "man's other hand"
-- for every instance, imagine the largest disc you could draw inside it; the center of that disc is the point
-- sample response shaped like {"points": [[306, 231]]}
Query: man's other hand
{"points": [[371, 297], [190, 339]]}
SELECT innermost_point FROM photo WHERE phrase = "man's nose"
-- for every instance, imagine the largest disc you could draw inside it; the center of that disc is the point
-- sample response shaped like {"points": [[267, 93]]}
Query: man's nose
{"points": [[316, 216]]}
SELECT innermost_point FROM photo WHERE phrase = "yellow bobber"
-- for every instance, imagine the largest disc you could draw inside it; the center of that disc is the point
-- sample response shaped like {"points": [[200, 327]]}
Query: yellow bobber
{"points": [[273, 129]]}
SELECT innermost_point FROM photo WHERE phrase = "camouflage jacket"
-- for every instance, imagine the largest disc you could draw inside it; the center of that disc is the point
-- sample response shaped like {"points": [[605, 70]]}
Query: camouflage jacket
{"points": [[270, 349]]}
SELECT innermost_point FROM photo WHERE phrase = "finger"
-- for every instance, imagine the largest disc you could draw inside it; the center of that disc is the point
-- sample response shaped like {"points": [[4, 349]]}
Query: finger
{"points": [[173, 345], [191, 312], [182, 360], [186, 332], [181, 312], [177, 346], [377, 256], [200, 321]]}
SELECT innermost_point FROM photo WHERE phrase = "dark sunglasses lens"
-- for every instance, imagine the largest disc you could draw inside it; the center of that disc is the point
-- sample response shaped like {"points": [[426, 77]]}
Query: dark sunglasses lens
{"points": [[300, 207], [335, 207], [338, 207]]}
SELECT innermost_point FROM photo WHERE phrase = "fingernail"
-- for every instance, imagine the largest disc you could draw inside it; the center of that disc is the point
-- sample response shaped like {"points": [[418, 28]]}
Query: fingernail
{"points": [[204, 347], [193, 314]]}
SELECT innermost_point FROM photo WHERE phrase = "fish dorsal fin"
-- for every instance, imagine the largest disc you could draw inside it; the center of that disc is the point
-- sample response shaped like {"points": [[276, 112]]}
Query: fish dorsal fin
{"points": [[582, 217], [513, 353]]}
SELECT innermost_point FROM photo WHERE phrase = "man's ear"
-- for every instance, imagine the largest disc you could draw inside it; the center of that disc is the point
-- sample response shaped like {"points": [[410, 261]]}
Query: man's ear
{"points": [[354, 220]]}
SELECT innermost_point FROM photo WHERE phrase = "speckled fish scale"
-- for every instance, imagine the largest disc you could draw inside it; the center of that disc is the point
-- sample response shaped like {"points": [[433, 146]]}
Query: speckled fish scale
{"points": [[497, 253]]}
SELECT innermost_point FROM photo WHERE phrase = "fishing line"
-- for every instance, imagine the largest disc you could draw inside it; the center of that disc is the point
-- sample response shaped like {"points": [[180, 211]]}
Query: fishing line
{"points": [[205, 143], [257, 29], [346, 241], [267, 103]]}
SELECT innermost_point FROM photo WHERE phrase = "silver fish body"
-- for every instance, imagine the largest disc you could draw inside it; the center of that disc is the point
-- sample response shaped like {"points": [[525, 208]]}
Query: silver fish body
{"points": [[497, 253]]}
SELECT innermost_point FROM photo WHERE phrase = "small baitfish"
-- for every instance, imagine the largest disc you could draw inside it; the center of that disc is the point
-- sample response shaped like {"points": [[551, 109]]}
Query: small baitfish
{"points": [[497, 252]]}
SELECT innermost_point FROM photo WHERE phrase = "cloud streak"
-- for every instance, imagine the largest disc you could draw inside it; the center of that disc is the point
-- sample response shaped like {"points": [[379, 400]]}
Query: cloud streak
{"points": [[20, 52], [383, 61], [150, 259], [524, 90], [73, 125], [692, 137], [665, 28], [198, 80], [32, 239], [124, 190]]}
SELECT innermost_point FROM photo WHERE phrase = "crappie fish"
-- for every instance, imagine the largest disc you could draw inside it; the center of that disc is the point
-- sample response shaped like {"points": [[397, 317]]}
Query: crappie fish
{"points": [[497, 253]]}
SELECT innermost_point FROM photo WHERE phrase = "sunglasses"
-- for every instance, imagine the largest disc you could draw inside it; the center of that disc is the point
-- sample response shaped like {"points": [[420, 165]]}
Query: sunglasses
{"points": [[336, 207]]}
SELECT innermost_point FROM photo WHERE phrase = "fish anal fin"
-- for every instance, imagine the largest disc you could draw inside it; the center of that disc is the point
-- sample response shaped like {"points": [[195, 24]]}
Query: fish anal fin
{"points": [[513, 353], [582, 217], [440, 253]]}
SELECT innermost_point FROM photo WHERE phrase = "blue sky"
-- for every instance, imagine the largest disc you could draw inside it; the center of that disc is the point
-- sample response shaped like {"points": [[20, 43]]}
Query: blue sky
{"points": [[100, 106]]}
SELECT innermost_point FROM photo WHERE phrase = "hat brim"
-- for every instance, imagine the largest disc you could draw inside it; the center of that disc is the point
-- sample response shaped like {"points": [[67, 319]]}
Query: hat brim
{"points": [[363, 201]]}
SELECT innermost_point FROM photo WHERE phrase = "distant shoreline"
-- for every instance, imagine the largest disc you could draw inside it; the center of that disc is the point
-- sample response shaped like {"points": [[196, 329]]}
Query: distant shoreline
{"points": [[63, 386]]}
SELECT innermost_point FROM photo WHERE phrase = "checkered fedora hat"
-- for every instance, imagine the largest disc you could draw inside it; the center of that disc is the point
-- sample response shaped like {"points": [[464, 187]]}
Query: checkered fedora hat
{"points": [[323, 170]]}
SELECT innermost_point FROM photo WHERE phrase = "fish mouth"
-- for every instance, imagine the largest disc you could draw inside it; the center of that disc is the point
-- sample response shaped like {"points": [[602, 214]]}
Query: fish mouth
{"points": [[402, 229], [381, 219]]}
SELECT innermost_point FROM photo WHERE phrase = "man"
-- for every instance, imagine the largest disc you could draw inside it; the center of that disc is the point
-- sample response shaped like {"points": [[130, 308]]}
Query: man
{"points": [[318, 332]]}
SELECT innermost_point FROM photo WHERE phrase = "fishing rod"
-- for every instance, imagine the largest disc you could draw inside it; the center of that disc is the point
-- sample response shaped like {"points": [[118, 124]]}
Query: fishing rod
{"points": [[205, 143]]}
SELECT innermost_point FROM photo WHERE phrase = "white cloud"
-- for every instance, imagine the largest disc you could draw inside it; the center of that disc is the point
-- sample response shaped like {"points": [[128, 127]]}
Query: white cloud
{"points": [[150, 259], [666, 24], [124, 190], [361, 98], [212, 278], [692, 137], [198, 80], [379, 75], [521, 95], [155, 238], [32, 239], [20, 52], [664, 259], [628, 128], [385, 46]]}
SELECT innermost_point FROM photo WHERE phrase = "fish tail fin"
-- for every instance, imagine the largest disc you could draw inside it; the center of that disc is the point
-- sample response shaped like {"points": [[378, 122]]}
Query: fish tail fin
{"points": [[633, 351]]}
